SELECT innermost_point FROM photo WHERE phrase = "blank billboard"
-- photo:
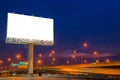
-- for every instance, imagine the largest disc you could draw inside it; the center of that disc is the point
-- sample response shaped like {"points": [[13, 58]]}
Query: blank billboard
{"points": [[23, 29]]}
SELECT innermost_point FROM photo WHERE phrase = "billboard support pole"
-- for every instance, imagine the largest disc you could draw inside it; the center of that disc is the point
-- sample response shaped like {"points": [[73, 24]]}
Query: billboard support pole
{"points": [[30, 59]]}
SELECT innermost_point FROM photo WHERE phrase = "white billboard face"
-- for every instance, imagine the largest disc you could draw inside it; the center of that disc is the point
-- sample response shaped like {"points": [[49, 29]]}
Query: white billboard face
{"points": [[22, 29]]}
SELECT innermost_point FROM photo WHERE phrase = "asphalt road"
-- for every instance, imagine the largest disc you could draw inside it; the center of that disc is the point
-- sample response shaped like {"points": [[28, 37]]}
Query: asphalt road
{"points": [[35, 78]]}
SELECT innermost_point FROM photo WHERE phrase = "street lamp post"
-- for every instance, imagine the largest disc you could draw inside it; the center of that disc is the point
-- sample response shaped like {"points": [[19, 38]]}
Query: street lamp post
{"points": [[53, 61], [95, 53], [81, 59], [51, 54], [9, 62], [74, 56], [85, 45]]}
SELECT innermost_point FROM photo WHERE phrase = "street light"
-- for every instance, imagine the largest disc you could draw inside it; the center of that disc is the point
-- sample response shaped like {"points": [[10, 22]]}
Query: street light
{"points": [[68, 62], [85, 61], [53, 59], [73, 56], [9, 62], [18, 56], [53, 52], [74, 51], [27, 63], [39, 61], [85, 44], [1, 61], [50, 54], [40, 55], [52, 63], [97, 61], [107, 60], [9, 59], [95, 53]]}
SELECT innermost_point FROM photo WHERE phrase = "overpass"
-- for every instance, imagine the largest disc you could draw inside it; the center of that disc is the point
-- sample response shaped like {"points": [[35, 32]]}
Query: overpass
{"points": [[104, 68]]}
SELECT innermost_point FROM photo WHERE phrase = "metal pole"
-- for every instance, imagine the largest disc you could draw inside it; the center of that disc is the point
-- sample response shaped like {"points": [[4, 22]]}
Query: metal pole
{"points": [[81, 59], [30, 59]]}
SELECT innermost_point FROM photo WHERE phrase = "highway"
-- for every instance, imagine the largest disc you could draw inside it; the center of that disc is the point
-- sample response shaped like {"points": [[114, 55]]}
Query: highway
{"points": [[106, 68], [103, 70], [32, 78]]}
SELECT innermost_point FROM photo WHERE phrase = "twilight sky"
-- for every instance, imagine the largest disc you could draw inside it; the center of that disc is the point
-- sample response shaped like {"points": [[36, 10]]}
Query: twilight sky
{"points": [[96, 22]]}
